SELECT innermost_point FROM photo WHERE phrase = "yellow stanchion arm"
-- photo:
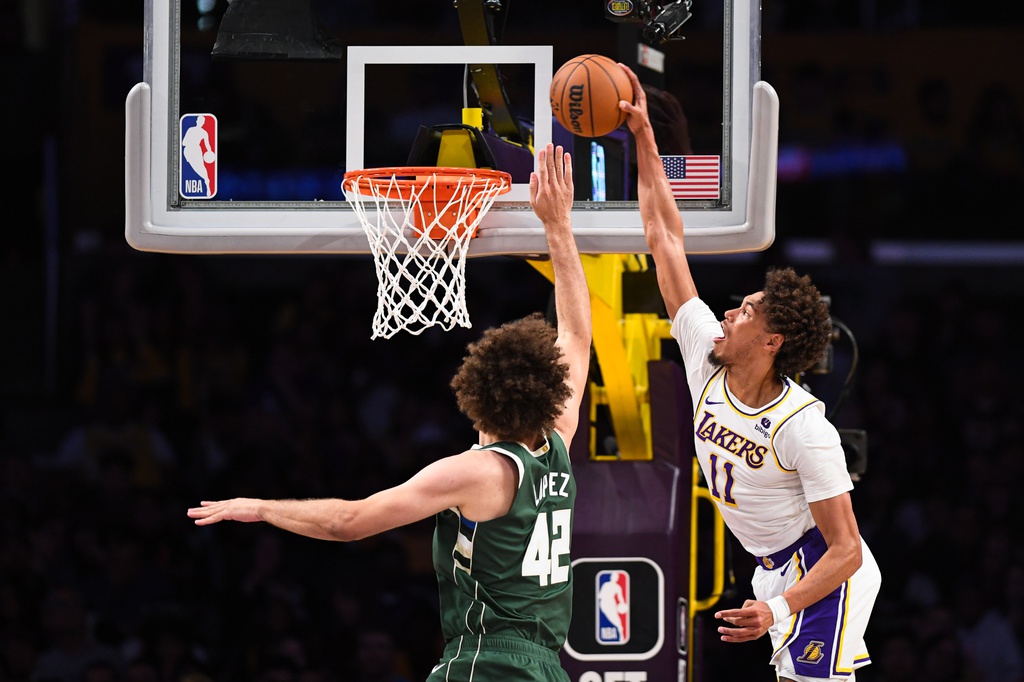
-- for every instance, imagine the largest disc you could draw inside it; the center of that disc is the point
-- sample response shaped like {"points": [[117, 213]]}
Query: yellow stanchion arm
{"points": [[623, 348]]}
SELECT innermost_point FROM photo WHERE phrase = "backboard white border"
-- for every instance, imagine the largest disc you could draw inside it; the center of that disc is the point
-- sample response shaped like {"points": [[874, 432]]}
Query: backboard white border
{"points": [[151, 224]]}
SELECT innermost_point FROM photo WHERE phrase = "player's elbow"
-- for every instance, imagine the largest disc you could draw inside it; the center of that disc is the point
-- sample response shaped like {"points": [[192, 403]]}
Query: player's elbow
{"points": [[661, 238], [852, 550], [858, 557], [342, 533], [345, 527]]}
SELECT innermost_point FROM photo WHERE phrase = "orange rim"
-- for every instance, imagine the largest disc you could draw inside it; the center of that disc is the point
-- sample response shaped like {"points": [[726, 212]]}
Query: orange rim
{"points": [[393, 180], [434, 185]]}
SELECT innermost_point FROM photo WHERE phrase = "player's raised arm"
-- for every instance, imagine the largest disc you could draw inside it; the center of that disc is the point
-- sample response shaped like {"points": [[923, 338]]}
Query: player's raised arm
{"points": [[663, 224], [551, 194]]}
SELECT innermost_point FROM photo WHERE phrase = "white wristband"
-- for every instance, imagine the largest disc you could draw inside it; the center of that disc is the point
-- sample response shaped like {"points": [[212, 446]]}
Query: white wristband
{"points": [[780, 609]]}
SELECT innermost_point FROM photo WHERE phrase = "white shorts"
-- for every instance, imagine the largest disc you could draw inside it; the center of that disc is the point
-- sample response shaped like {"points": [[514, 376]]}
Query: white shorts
{"points": [[825, 640]]}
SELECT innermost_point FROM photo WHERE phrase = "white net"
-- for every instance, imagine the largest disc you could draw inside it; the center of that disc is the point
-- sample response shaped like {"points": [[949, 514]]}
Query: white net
{"points": [[419, 232]]}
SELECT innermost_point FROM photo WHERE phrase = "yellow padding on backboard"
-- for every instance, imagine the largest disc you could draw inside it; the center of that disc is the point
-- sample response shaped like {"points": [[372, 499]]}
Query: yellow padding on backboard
{"points": [[456, 149]]}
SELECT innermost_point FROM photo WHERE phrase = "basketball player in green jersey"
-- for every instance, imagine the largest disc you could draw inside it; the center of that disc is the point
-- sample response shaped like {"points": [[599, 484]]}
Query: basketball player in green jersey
{"points": [[503, 507]]}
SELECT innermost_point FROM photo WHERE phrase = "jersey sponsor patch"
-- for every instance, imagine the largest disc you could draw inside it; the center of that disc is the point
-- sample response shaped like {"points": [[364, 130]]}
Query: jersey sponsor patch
{"points": [[613, 607], [198, 162]]}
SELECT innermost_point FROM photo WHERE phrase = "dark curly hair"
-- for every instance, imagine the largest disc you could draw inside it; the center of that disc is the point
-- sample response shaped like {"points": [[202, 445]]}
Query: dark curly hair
{"points": [[793, 307], [512, 383]]}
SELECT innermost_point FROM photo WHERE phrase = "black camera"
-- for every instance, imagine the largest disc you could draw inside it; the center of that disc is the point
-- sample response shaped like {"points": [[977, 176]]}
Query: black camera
{"points": [[661, 22]]}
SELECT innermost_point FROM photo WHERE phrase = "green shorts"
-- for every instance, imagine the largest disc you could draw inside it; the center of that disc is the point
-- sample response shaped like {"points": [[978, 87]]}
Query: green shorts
{"points": [[497, 658]]}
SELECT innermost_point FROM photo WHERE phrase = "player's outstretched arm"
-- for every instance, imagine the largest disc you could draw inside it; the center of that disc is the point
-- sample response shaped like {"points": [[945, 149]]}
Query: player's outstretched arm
{"points": [[481, 483], [551, 194], [663, 224]]}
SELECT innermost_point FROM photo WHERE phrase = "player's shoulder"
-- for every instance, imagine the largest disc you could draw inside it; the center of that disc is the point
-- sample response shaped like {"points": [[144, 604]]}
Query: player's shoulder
{"points": [[799, 409], [798, 398], [803, 418], [693, 309]]}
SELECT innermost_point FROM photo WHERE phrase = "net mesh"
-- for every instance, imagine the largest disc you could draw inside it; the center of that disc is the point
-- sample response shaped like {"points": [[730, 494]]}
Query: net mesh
{"points": [[419, 223]]}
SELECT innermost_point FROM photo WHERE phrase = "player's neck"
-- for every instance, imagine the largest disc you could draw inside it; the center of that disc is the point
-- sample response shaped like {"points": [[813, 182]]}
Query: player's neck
{"points": [[753, 386]]}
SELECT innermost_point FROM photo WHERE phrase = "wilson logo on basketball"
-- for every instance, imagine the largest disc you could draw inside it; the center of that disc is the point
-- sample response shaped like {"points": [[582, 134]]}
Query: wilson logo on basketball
{"points": [[576, 107]]}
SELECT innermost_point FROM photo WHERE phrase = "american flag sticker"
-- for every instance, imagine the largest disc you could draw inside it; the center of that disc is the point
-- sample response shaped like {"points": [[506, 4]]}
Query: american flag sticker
{"points": [[694, 177]]}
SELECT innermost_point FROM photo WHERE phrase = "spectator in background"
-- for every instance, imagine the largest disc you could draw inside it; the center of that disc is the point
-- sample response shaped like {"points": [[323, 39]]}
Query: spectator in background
{"points": [[72, 647], [378, 657], [985, 634]]}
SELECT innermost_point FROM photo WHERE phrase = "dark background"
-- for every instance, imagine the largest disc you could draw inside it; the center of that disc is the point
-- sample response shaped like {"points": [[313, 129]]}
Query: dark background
{"points": [[134, 385]]}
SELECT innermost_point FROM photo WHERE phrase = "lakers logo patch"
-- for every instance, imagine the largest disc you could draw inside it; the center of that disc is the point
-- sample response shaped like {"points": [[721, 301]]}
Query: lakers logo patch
{"points": [[813, 652], [768, 563]]}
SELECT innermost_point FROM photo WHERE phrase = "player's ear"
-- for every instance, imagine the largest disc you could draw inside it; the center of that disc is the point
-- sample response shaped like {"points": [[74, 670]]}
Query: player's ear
{"points": [[775, 342]]}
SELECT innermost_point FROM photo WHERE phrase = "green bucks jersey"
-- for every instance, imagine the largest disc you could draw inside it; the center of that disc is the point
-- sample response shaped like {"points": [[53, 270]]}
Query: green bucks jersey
{"points": [[511, 575]]}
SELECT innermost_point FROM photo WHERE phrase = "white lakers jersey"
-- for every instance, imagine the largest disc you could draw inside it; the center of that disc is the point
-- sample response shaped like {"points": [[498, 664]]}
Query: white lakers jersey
{"points": [[762, 466]]}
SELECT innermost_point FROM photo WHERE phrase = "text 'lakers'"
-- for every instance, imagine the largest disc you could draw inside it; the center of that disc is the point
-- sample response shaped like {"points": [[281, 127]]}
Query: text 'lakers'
{"points": [[730, 441]]}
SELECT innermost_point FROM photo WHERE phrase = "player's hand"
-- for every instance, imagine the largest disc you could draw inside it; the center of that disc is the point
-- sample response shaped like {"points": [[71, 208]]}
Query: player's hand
{"points": [[551, 188], [238, 509], [637, 117], [748, 623]]}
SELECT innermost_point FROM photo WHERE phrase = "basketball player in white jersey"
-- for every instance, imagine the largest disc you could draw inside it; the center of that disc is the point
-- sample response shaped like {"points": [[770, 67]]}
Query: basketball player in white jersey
{"points": [[772, 461]]}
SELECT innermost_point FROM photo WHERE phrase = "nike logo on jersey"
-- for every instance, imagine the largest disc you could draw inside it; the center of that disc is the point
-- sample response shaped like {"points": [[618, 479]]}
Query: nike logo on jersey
{"points": [[709, 401], [436, 668]]}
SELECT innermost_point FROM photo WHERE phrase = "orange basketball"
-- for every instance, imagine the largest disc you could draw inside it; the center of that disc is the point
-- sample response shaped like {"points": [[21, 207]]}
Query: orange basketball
{"points": [[585, 94]]}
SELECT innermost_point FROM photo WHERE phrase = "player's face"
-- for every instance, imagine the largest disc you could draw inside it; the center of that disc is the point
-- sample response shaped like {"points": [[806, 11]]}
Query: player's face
{"points": [[743, 332]]}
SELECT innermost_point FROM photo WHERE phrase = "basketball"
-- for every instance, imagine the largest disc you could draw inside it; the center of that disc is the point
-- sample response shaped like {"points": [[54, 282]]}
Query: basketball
{"points": [[209, 157], [585, 94]]}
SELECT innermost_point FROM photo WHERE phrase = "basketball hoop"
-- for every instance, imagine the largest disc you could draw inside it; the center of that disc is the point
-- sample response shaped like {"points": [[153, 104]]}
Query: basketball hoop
{"points": [[419, 221]]}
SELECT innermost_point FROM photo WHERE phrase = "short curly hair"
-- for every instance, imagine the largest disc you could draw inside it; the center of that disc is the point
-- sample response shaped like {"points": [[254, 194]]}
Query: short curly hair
{"points": [[512, 383], [792, 306]]}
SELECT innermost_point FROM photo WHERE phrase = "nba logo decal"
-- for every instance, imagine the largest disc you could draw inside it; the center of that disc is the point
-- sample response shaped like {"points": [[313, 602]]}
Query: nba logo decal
{"points": [[612, 607], [198, 163]]}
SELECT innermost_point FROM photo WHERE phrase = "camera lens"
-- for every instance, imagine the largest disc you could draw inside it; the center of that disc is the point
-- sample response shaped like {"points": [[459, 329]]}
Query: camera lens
{"points": [[654, 33]]}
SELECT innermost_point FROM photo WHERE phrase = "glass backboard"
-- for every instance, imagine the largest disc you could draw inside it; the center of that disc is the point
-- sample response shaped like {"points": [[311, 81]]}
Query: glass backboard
{"points": [[240, 133]]}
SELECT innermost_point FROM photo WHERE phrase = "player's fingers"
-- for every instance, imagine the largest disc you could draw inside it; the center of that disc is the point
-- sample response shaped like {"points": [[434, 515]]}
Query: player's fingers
{"points": [[533, 187], [558, 162], [550, 159], [638, 90], [542, 165], [567, 163]]}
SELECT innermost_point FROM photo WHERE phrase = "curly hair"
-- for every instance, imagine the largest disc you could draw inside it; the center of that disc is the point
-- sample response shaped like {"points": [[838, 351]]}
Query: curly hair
{"points": [[793, 307], [512, 383]]}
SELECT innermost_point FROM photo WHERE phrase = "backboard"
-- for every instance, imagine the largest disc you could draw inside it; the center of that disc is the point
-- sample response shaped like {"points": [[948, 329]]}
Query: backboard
{"points": [[244, 151]]}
